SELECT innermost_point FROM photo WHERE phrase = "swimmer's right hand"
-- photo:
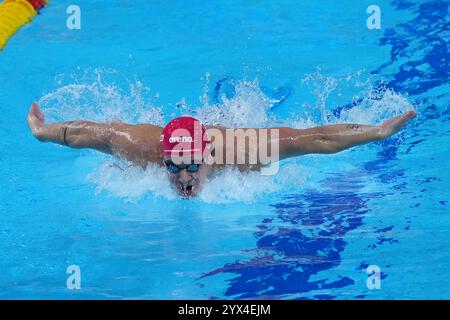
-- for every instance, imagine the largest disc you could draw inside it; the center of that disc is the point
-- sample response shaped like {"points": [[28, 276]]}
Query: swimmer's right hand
{"points": [[36, 121], [395, 124]]}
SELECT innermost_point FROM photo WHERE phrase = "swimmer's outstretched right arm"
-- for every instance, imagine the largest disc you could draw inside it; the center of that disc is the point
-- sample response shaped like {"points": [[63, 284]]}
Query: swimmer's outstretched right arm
{"points": [[136, 143], [335, 138]]}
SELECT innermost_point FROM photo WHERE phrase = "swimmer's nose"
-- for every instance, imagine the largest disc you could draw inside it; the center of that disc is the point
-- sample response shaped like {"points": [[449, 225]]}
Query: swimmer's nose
{"points": [[184, 176]]}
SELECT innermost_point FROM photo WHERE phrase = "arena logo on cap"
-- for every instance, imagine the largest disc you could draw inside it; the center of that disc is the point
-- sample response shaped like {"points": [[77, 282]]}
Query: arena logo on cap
{"points": [[180, 139]]}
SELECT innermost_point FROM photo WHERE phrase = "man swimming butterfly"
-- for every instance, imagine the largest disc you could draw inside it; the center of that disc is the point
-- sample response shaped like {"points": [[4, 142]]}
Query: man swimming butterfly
{"points": [[189, 151]]}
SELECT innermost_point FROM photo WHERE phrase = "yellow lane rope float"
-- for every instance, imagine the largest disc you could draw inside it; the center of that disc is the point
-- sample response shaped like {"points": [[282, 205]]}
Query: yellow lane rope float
{"points": [[14, 14]]}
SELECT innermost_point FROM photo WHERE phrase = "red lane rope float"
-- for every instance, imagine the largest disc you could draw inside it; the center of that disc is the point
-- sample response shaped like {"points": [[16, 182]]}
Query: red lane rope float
{"points": [[14, 14]]}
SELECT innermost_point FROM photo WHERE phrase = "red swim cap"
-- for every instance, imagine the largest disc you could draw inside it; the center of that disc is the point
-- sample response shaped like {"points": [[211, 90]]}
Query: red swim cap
{"points": [[184, 136]]}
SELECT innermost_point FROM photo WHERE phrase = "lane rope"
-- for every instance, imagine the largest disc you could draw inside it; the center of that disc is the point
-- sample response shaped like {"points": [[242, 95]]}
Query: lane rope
{"points": [[16, 13]]}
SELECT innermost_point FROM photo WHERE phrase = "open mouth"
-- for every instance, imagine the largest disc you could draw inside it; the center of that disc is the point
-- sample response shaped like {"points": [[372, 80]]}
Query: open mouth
{"points": [[187, 190]]}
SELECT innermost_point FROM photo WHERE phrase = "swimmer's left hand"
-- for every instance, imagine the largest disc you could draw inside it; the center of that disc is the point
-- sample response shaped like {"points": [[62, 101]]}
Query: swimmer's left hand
{"points": [[36, 121], [394, 125]]}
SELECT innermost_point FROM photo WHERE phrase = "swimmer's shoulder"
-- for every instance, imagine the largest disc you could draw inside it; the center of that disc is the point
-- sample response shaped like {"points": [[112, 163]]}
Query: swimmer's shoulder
{"points": [[149, 128], [146, 132], [137, 143]]}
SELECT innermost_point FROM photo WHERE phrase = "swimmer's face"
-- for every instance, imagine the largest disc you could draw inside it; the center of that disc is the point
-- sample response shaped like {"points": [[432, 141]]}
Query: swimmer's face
{"points": [[186, 176]]}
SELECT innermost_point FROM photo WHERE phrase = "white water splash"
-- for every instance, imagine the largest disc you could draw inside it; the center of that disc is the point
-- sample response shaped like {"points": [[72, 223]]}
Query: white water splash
{"points": [[131, 182], [101, 101], [376, 107], [369, 106], [323, 86], [248, 108]]}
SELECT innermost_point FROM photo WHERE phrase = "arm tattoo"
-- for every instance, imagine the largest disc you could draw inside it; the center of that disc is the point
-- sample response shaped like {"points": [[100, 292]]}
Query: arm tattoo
{"points": [[354, 127], [64, 132]]}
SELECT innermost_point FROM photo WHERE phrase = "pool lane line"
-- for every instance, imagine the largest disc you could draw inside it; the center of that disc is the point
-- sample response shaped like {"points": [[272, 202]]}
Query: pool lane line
{"points": [[16, 13]]}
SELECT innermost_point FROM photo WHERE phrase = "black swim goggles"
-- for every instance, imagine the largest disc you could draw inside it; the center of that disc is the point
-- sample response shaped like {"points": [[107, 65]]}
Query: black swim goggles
{"points": [[173, 168]]}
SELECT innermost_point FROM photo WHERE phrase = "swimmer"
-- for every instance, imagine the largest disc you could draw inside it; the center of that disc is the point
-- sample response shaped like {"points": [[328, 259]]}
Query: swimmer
{"points": [[189, 151]]}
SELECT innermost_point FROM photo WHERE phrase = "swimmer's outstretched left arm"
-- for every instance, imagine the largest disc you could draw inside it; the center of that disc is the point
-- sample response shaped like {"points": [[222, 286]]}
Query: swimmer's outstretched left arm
{"points": [[335, 138], [136, 143], [75, 134]]}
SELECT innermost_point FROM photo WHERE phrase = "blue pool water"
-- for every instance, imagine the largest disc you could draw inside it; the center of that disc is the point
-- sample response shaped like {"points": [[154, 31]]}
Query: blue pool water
{"points": [[310, 232]]}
